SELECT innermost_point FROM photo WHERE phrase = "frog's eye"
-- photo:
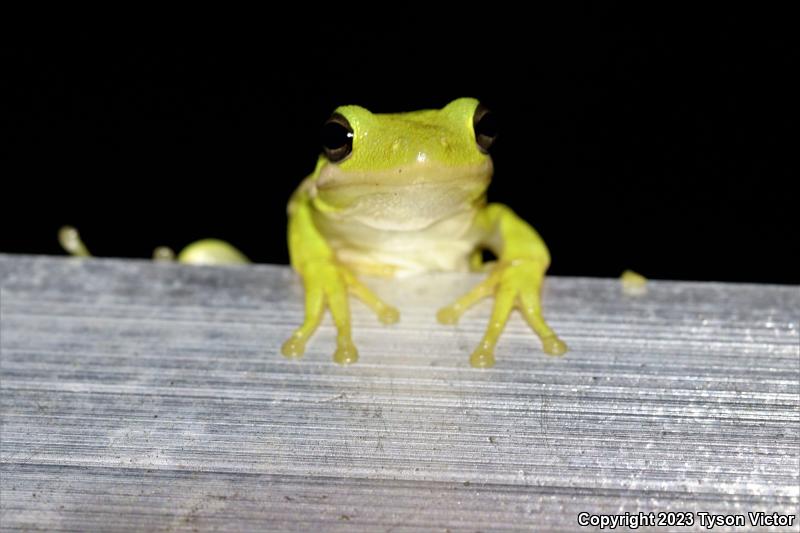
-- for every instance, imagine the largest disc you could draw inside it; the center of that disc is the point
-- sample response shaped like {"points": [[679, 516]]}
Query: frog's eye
{"points": [[485, 125], [337, 138]]}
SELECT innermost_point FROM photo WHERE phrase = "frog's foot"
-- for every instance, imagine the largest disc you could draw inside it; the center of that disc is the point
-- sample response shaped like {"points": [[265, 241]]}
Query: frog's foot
{"points": [[515, 283], [327, 282]]}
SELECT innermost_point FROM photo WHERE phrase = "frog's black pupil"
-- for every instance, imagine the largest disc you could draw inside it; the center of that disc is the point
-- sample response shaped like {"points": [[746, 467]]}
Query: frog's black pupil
{"points": [[337, 138]]}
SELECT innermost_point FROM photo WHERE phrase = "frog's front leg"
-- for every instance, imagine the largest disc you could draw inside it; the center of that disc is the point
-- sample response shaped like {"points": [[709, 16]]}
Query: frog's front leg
{"points": [[515, 280], [326, 281]]}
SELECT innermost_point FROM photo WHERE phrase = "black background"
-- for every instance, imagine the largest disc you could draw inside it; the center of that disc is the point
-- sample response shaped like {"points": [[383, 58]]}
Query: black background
{"points": [[652, 141]]}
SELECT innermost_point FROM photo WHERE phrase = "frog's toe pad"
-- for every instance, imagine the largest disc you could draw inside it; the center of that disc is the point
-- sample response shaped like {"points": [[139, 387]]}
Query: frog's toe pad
{"points": [[389, 315], [447, 315], [482, 357], [346, 353], [552, 345], [293, 348]]}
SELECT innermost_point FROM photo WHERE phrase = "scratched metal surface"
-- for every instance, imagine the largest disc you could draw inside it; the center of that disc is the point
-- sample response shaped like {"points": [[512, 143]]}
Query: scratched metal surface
{"points": [[152, 397]]}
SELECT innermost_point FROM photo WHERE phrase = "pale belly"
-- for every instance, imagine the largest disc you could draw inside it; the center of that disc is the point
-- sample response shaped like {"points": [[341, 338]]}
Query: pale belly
{"points": [[444, 245]]}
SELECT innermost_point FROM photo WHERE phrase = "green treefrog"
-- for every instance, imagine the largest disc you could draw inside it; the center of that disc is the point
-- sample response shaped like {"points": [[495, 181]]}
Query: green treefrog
{"points": [[392, 195], [397, 194]]}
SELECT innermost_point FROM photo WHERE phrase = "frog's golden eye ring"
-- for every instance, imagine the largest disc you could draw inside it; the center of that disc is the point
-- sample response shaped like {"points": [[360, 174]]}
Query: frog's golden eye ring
{"points": [[337, 138], [484, 123]]}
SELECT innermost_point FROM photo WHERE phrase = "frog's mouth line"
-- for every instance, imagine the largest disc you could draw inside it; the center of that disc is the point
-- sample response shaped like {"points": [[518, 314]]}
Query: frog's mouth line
{"points": [[332, 177]]}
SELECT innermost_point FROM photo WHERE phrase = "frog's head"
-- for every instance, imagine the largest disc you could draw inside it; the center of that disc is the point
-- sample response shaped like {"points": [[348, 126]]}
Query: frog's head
{"points": [[405, 170]]}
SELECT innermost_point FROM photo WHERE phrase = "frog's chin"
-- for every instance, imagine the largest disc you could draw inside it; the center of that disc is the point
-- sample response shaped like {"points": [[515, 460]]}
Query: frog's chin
{"points": [[401, 199]]}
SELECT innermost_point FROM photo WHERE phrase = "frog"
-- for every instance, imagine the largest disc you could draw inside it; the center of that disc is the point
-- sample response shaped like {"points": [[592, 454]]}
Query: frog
{"points": [[398, 194], [392, 195]]}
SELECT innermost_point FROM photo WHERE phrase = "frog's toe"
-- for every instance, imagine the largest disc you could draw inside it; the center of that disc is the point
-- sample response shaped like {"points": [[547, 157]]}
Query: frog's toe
{"points": [[389, 315], [482, 357], [293, 347], [448, 315], [346, 353], [552, 345], [531, 308]]}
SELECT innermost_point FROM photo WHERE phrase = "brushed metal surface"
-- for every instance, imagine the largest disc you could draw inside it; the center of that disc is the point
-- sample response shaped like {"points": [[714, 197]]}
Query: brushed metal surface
{"points": [[153, 397]]}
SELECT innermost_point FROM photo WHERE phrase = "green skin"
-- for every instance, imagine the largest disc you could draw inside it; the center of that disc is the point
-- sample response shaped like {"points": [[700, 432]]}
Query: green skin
{"points": [[411, 197]]}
